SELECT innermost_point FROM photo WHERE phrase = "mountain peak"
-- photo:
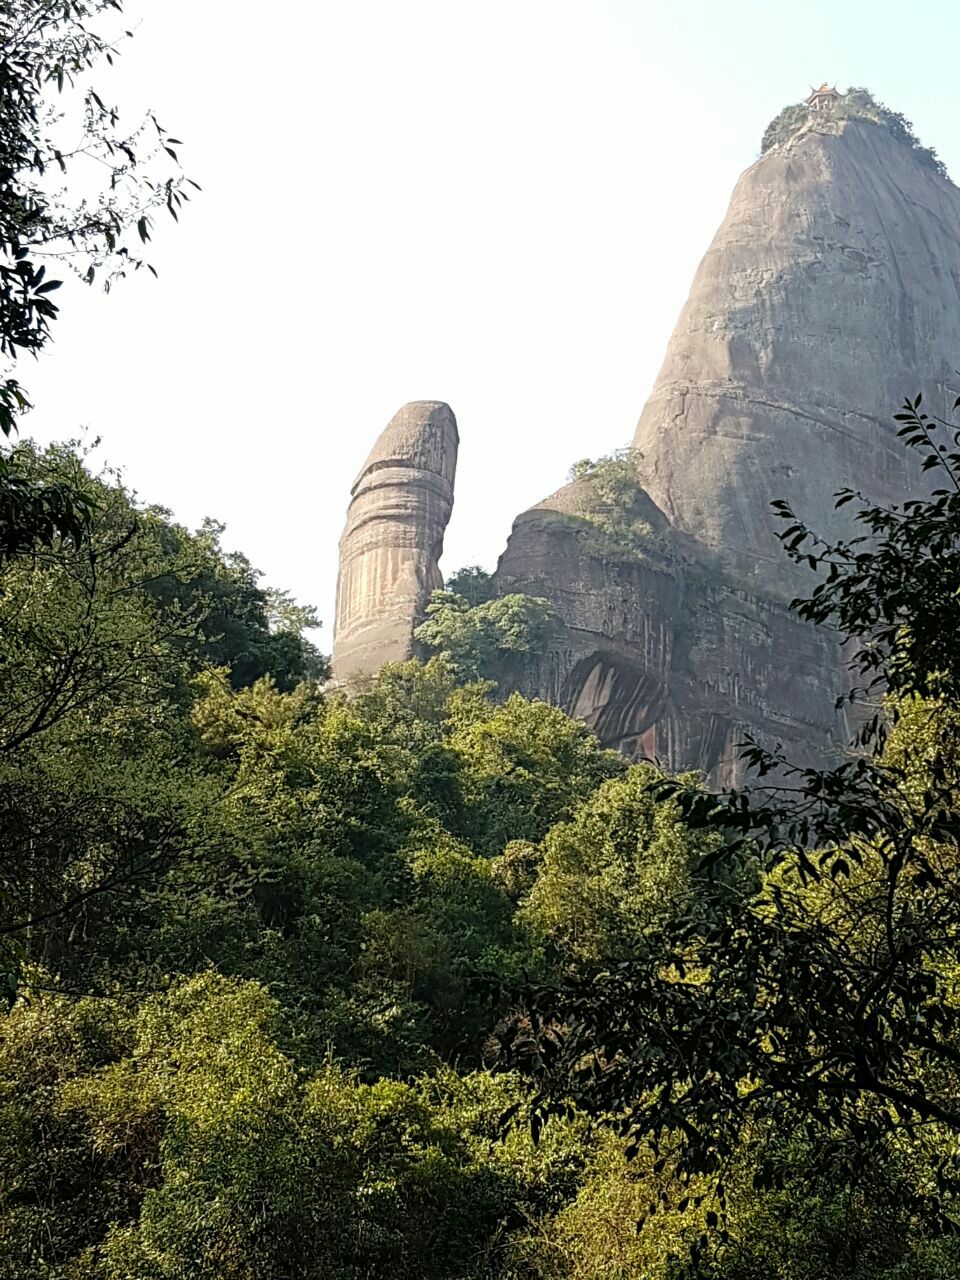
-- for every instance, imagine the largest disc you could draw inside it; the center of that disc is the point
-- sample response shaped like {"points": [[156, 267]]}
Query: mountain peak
{"points": [[857, 103]]}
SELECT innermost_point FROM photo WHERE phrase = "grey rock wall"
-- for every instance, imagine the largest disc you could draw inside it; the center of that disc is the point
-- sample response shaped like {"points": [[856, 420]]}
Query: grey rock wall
{"points": [[830, 292], [666, 659]]}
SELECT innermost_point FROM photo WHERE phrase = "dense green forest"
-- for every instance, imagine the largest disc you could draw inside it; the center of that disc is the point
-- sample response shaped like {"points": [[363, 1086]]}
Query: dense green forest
{"points": [[270, 952], [416, 980]]}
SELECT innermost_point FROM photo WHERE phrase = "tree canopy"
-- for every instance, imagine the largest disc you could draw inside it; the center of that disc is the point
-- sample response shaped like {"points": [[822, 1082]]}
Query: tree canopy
{"points": [[426, 983], [480, 641], [79, 193], [810, 987]]}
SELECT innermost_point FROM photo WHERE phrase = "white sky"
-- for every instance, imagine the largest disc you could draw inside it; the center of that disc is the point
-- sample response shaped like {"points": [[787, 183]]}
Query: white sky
{"points": [[498, 204]]}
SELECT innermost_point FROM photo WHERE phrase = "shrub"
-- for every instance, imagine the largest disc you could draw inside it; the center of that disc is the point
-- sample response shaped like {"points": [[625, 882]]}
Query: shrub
{"points": [[612, 492]]}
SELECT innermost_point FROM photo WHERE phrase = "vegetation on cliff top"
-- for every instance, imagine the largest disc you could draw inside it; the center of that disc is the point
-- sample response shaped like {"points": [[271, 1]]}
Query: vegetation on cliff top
{"points": [[855, 104], [611, 492]]}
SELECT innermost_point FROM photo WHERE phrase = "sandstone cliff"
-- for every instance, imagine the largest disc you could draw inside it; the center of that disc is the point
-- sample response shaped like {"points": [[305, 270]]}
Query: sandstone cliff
{"points": [[830, 292], [667, 658], [393, 539]]}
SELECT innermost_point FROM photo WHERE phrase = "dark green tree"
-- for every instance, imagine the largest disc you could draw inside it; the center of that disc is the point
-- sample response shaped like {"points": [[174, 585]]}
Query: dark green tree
{"points": [[481, 641], [102, 788], [471, 582], [245, 627], [78, 192], [91, 230]]}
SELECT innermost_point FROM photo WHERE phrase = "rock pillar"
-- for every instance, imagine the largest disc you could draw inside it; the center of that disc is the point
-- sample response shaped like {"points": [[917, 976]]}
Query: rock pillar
{"points": [[393, 539]]}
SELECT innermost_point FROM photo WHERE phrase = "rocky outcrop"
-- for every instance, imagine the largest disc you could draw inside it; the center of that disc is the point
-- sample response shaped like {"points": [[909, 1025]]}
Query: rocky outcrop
{"points": [[665, 656], [830, 292], [393, 539]]}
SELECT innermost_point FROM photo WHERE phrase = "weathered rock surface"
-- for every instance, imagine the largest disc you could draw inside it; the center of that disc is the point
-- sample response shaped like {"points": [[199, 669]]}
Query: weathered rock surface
{"points": [[666, 658], [393, 539], [830, 292]]}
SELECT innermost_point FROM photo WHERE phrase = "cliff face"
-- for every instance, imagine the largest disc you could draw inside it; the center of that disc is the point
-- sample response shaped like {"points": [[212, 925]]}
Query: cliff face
{"points": [[830, 292], [393, 539], [666, 659]]}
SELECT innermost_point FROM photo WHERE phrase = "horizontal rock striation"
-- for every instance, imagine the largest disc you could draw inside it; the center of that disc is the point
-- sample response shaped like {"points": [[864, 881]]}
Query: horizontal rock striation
{"points": [[393, 539]]}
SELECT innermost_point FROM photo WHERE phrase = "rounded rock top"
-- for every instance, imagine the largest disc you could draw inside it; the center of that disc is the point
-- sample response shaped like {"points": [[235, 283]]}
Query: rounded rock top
{"points": [[422, 435]]}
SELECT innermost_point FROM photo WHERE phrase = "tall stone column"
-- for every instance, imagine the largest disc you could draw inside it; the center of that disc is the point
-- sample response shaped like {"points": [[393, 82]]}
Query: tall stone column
{"points": [[393, 539]]}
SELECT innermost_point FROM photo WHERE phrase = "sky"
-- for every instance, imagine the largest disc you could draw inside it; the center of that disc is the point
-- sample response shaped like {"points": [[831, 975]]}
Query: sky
{"points": [[497, 204]]}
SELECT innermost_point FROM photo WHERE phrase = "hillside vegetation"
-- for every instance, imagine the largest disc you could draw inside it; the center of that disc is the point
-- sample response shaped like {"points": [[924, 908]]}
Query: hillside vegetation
{"points": [[268, 951], [422, 983]]}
